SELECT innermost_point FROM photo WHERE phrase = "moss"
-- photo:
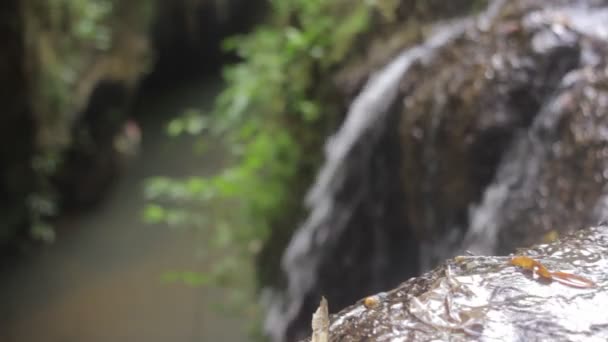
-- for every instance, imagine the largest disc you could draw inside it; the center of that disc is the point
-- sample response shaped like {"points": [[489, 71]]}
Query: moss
{"points": [[361, 39], [60, 50], [280, 104]]}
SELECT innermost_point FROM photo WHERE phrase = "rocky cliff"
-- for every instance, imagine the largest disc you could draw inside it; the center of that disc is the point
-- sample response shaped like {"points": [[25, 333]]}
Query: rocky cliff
{"points": [[491, 137], [70, 72], [57, 56]]}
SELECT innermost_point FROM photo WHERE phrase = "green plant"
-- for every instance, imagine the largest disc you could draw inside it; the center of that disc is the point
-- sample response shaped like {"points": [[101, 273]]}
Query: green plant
{"points": [[269, 117], [71, 45], [65, 32]]}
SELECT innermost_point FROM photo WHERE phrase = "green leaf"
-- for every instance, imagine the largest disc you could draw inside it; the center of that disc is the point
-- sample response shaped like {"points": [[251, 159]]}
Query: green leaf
{"points": [[154, 213]]}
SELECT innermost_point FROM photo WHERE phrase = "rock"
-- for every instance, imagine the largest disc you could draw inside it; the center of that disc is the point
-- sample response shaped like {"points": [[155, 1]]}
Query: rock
{"points": [[184, 43], [70, 72], [494, 141], [399, 23], [461, 111], [552, 178], [59, 56], [487, 298]]}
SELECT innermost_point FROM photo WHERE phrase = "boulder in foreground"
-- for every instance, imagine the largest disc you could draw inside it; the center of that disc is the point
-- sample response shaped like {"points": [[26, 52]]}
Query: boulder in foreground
{"points": [[487, 298]]}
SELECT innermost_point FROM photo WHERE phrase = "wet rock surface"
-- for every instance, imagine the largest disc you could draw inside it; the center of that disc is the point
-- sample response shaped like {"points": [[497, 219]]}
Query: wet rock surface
{"points": [[396, 24], [503, 133], [490, 90], [501, 144], [355, 197], [552, 178], [486, 298]]}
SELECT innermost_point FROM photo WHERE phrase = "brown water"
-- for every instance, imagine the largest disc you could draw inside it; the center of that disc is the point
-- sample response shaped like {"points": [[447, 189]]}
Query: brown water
{"points": [[101, 279]]}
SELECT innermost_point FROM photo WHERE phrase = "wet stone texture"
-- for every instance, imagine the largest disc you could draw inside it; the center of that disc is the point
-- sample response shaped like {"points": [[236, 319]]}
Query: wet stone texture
{"points": [[486, 298], [461, 112], [502, 142], [552, 178]]}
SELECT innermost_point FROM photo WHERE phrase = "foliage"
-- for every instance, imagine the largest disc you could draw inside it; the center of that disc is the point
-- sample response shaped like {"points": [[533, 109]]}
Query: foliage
{"points": [[68, 29], [64, 32], [86, 19], [269, 117], [65, 42]]}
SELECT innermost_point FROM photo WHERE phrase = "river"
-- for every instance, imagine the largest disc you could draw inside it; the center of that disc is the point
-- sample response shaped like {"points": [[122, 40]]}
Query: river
{"points": [[101, 279]]}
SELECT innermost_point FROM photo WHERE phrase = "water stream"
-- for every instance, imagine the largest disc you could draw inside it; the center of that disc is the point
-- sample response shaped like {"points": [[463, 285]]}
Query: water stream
{"points": [[366, 115], [351, 150], [101, 279]]}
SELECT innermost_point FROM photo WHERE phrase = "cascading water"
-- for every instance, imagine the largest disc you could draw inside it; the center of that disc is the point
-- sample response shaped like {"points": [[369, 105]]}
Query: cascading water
{"points": [[521, 185], [491, 135], [351, 149]]}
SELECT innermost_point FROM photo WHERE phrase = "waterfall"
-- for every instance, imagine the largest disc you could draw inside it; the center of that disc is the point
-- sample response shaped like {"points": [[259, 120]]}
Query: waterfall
{"points": [[350, 146], [520, 172]]}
